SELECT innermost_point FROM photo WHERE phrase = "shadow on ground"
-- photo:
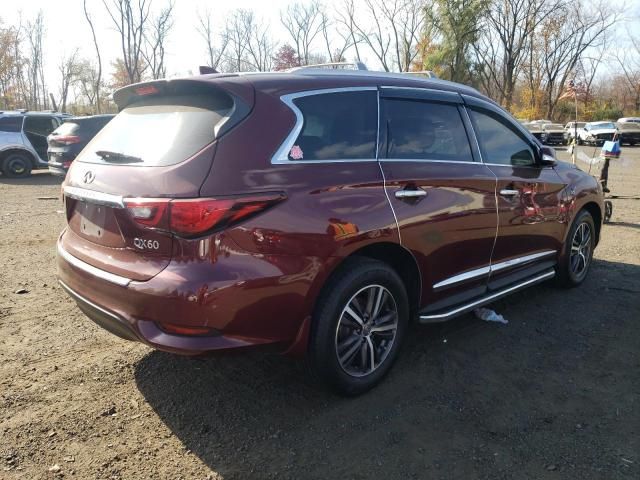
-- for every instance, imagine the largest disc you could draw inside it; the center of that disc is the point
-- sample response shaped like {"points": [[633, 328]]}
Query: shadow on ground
{"points": [[550, 395], [41, 177]]}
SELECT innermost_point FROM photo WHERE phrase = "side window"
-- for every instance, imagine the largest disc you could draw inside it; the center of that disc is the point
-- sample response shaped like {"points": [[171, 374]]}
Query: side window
{"points": [[500, 143], [337, 126], [421, 130], [11, 124], [39, 125]]}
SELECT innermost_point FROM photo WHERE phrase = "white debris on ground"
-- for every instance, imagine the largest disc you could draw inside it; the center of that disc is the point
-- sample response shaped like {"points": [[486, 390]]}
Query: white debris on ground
{"points": [[489, 315]]}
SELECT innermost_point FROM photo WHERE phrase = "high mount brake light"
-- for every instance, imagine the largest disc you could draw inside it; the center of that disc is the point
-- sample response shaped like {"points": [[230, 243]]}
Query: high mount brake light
{"points": [[194, 217], [146, 90]]}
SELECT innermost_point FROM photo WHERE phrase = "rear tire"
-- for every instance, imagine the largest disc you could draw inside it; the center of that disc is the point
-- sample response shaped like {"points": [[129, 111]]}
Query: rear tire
{"points": [[358, 326], [578, 251], [16, 165]]}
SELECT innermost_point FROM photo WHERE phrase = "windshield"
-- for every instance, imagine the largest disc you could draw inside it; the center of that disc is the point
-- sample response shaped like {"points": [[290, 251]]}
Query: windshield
{"points": [[159, 131], [603, 125]]}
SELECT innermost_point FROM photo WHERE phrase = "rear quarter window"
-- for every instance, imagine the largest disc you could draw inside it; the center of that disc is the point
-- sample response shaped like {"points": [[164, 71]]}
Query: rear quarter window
{"points": [[10, 124], [337, 126], [160, 131]]}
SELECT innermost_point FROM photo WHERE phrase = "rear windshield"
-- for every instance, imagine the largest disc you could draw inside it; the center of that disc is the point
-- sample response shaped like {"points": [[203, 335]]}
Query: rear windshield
{"points": [[159, 131], [66, 128]]}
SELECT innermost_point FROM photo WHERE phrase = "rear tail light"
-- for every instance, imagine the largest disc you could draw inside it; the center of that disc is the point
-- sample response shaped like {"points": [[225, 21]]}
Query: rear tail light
{"points": [[194, 217], [67, 139]]}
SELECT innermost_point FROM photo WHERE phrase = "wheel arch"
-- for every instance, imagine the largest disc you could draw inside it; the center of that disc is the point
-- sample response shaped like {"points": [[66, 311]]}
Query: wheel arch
{"points": [[18, 149], [594, 209]]}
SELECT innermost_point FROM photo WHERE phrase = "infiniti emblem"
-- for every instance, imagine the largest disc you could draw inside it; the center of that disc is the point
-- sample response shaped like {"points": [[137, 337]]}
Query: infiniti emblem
{"points": [[89, 176]]}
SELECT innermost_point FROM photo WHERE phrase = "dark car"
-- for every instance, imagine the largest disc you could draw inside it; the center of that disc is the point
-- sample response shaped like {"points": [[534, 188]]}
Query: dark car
{"points": [[68, 140], [317, 212]]}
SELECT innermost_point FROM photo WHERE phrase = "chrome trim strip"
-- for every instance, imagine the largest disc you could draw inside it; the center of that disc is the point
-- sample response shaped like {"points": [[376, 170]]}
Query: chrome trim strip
{"points": [[478, 272], [282, 154], [93, 196], [440, 317], [520, 260], [427, 160], [90, 269], [76, 296]]}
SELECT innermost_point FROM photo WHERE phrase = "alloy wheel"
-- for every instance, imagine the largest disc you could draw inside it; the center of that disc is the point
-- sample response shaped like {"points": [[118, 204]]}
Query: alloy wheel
{"points": [[366, 330], [581, 250]]}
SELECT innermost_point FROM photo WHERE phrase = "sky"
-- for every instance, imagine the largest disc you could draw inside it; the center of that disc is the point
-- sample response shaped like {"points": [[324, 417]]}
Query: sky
{"points": [[67, 28]]}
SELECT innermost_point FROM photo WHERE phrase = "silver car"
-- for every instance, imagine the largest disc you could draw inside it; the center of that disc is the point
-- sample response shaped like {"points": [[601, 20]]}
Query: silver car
{"points": [[23, 140]]}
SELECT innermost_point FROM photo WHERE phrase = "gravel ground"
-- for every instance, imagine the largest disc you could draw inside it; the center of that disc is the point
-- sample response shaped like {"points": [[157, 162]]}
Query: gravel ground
{"points": [[554, 394]]}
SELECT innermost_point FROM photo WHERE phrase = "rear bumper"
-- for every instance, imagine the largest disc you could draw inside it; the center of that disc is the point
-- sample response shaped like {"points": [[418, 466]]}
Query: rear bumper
{"points": [[262, 306]]}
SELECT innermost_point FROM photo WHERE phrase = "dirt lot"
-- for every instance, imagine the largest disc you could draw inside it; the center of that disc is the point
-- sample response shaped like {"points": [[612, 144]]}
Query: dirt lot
{"points": [[553, 394]]}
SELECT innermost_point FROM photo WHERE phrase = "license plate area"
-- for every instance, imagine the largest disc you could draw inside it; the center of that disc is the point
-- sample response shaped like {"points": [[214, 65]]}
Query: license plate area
{"points": [[96, 223]]}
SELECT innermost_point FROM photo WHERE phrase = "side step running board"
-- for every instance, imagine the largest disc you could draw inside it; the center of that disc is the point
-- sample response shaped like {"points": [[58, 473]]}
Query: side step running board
{"points": [[446, 315]]}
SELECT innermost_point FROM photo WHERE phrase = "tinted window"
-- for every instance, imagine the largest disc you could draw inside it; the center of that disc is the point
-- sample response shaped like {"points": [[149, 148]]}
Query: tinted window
{"points": [[159, 131], [425, 131], [42, 126], [500, 143], [10, 124], [67, 128], [337, 126]]}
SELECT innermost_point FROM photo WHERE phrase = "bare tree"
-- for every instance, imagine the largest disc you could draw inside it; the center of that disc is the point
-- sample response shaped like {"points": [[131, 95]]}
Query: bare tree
{"points": [[331, 30], [346, 16], [303, 22], [36, 84], [390, 28], [238, 28], [205, 29], [261, 47], [98, 71], [155, 41], [69, 69], [628, 60], [502, 49], [130, 18], [564, 49]]}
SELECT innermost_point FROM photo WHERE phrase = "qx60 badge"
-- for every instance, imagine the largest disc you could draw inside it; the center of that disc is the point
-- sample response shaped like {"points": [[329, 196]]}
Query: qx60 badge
{"points": [[143, 244]]}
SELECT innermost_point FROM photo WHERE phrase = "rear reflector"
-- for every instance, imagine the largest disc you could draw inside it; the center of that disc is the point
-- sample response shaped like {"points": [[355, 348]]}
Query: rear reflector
{"points": [[188, 330], [198, 216]]}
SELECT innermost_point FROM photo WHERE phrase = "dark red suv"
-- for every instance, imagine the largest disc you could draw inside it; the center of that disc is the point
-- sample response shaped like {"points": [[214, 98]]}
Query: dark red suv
{"points": [[317, 211]]}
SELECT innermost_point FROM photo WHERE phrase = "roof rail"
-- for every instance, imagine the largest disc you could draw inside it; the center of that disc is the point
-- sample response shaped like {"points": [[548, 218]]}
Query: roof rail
{"points": [[332, 65]]}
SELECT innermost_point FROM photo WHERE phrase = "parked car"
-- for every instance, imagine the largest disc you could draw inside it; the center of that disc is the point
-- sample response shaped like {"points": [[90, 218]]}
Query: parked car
{"points": [[596, 133], [317, 212], [68, 140], [23, 140], [571, 129], [553, 134], [629, 120], [536, 130], [629, 132]]}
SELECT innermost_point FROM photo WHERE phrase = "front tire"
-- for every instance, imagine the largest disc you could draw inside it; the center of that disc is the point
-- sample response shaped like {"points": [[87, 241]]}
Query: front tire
{"points": [[358, 326], [578, 251], [16, 165]]}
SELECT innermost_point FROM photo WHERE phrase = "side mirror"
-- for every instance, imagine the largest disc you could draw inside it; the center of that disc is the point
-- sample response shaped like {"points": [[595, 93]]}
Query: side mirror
{"points": [[547, 156]]}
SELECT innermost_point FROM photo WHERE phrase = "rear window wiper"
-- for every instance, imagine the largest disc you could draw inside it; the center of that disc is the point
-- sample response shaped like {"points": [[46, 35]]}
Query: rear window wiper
{"points": [[109, 156]]}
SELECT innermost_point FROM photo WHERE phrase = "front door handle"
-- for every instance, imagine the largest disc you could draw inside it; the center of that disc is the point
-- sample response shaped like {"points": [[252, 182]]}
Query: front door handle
{"points": [[410, 193], [505, 192]]}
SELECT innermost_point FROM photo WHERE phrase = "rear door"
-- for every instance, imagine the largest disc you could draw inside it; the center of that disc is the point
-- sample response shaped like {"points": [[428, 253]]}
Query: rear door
{"points": [[160, 146], [443, 197], [529, 197]]}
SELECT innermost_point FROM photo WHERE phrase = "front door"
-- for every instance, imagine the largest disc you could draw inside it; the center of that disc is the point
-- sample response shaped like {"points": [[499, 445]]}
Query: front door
{"points": [[529, 197], [442, 196]]}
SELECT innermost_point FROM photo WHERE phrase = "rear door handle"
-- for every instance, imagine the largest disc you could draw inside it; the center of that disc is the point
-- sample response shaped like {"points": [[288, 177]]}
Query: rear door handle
{"points": [[410, 193], [505, 192]]}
